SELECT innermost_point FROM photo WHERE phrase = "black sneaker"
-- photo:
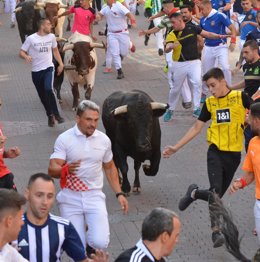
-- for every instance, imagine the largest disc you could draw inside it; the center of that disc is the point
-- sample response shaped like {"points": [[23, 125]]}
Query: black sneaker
{"points": [[59, 119], [218, 239], [187, 199], [51, 121], [160, 52], [120, 74]]}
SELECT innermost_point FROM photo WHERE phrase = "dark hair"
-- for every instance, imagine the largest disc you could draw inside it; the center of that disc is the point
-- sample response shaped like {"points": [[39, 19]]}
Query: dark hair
{"points": [[186, 6], [176, 15], [167, 2], [87, 104], [157, 222], [214, 72], [43, 176], [255, 110], [41, 21], [11, 201], [252, 44]]}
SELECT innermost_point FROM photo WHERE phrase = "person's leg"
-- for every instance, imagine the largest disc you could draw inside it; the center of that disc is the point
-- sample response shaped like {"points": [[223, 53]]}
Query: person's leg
{"points": [[124, 44], [7, 182], [113, 46], [257, 219], [159, 36], [97, 219], [71, 208], [223, 62], [12, 8], [37, 78], [208, 60], [194, 78], [186, 94], [49, 93]]}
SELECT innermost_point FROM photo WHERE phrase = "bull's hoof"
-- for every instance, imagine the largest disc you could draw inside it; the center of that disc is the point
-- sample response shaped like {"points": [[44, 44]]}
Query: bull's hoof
{"points": [[146, 168], [126, 189], [136, 190], [74, 108], [88, 93]]}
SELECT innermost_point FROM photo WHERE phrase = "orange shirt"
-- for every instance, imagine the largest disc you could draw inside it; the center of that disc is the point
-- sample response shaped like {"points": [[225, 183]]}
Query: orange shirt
{"points": [[252, 162], [3, 168]]}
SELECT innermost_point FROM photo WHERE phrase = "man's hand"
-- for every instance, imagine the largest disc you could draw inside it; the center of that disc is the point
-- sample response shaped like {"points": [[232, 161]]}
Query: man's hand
{"points": [[124, 204], [232, 47], [74, 166], [168, 151], [13, 152], [28, 59], [60, 69], [142, 32], [100, 256], [236, 185]]}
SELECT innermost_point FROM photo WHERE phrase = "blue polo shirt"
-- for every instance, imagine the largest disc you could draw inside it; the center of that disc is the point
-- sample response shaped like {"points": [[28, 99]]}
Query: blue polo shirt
{"points": [[215, 22], [216, 4], [249, 16], [254, 35]]}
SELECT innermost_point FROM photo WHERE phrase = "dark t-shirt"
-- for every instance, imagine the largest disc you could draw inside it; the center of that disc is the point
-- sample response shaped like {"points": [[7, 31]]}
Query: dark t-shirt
{"points": [[188, 40], [252, 77], [206, 116]]}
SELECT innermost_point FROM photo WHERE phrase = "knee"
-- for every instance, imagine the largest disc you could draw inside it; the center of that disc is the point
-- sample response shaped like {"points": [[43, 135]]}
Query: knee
{"points": [[99, 241]]}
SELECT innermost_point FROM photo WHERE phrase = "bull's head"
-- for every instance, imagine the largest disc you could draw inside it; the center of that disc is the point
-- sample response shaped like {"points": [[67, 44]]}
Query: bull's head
{"points": [[82, 59], [139, 116], [28, 13]]}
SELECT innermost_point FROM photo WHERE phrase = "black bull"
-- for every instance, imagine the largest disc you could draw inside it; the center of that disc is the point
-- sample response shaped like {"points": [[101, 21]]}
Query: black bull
{"points": [[27, 16], [131, 122]]}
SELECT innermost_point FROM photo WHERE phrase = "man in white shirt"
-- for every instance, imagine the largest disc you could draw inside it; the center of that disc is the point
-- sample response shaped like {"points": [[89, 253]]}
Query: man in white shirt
{"points": [[118, 41], [11, 211], [79, 158], [38, 49]]}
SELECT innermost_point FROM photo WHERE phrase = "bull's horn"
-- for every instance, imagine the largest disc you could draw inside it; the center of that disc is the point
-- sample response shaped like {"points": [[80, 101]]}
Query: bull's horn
{"points": [[120, 110], [97, 45], [68, 47], [58, 39], [156, 105], [40, 4], [63, 6], [38, 7], [18, 9]]}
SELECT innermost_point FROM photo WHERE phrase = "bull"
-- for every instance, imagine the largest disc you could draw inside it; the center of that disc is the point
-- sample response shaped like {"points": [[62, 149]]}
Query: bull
{"points": [[131, 122], [80, 64], [27, 17], [52, 9]]}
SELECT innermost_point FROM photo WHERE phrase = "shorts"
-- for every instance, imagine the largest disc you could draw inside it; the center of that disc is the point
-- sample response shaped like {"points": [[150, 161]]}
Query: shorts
{"points": [[7, 182]]}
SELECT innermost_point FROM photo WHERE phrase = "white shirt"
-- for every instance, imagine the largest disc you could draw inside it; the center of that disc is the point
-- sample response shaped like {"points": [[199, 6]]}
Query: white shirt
{"points": [[116, 17], [10, 254], [93, 151], [40, 49]]}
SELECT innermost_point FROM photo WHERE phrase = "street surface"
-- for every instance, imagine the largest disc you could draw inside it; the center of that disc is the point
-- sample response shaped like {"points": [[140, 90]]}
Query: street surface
{"points": [[25, 124]]}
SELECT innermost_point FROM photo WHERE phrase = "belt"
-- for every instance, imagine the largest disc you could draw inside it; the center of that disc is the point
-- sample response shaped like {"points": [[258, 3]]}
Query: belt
{"points": [[119, 31]]}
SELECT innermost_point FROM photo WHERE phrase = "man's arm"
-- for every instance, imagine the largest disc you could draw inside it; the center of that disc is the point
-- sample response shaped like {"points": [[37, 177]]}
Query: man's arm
{"points": [[159, 14], [149, 32], [113, 180], [25, 56], [192, 132], [237, 184], [57, 56], [211, 35], [232, 45], [99, 17], [132, 19], [240, 85]]}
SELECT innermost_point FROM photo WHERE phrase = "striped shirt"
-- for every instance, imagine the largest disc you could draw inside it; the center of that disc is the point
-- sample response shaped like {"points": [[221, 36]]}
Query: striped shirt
{"points": [[139, 253], [156, 6], [45, 243]]}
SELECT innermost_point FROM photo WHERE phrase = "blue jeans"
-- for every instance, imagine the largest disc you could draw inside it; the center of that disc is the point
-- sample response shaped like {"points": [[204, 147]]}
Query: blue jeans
{"points": [[43, 81]]}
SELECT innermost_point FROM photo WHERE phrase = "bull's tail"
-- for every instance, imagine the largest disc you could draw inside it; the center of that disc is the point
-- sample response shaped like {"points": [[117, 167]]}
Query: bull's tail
{"points": [[223, 218]]}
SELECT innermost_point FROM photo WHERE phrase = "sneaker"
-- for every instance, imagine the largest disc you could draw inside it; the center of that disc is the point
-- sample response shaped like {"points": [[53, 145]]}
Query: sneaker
{"points": [[51, 121], [146, 39], [59, 119], [120, 74], [168, 115], [218, 239], [186, 105], [165, 69], [187, 199], [107, 70], [137, 12], [132, 49], [203, 98], [196, 113], [160, 52]]}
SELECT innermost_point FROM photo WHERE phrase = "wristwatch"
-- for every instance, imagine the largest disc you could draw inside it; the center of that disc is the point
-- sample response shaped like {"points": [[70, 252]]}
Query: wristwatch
{"points": [[120, 194]]}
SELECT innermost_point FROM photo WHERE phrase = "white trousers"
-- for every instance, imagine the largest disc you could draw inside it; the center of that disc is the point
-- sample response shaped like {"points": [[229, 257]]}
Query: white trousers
{"points": [[191, 72], [10, 7], [159, 35], [257, 218], [185, 91], [215, 56], [86, 208], [117, 44]]}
